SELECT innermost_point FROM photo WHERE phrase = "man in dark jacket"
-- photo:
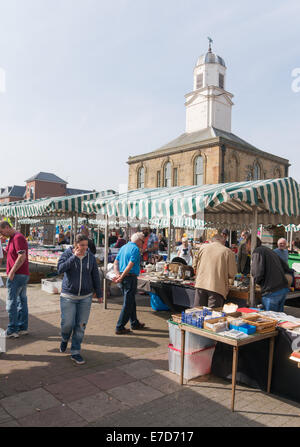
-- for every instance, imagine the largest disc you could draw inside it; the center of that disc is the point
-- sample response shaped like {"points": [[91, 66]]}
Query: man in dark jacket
{"points": [[81, 279], [269, 271]]}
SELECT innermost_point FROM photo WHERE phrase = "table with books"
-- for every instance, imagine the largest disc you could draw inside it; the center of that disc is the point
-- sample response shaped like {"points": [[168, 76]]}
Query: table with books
{"points": [[234, 329]]}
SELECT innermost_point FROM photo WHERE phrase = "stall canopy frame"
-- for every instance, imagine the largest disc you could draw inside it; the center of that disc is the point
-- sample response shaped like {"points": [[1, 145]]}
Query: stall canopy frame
{"points": [[261, 202]]}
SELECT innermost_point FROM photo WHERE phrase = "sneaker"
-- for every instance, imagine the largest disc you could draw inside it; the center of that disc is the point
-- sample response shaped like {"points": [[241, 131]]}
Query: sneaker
{"points": [[77, 359], [11, 334], [122, 331], [23, 332], [138, 326], [63, 346]]}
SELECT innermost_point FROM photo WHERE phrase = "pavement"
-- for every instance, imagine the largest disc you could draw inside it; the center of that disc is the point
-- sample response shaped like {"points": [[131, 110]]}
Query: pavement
{"points": [[125, 381]]}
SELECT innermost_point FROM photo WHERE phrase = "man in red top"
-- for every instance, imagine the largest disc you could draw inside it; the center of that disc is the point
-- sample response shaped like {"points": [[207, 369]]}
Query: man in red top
{"points": [[17, 269]]}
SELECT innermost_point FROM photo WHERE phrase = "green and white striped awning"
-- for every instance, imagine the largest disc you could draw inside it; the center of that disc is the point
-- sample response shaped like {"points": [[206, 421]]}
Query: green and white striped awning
{"points": [[59, 206], [277, 201]]}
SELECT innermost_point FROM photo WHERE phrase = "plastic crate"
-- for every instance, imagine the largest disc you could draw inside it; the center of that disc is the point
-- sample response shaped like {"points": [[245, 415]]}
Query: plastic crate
{"points": [[156, 302], [2, 340], [246, 328], [52, 285], [193, 342], [195, 364]]}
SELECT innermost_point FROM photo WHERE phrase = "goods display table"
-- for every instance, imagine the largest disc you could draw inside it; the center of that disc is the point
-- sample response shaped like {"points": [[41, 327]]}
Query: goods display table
{"points": [[179, 295], [251, 370], [236, 344]]}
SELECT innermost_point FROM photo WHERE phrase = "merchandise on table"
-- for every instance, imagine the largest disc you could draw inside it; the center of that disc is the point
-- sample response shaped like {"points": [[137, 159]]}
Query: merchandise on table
{"points": [[45, 256]]}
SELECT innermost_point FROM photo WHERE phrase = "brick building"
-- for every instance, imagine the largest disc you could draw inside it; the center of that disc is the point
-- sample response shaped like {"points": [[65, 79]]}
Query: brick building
{"points": [[43, 184], [208, 152], [12, 194]]}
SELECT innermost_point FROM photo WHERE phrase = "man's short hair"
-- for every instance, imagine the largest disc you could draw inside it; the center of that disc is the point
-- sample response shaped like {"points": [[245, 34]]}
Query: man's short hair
{"points": [[136, 236], [258, 241], [4, 224], [80, 237]]}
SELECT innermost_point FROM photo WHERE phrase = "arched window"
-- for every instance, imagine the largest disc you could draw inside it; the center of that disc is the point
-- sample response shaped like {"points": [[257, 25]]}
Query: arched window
{"points": [[198, 170], [256, 171], [141, 178], [232, 175], [277, 173], [167, 175]]}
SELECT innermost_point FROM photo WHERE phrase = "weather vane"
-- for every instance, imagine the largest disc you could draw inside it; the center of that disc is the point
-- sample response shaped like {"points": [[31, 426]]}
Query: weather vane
{"points": [[210, 42]]}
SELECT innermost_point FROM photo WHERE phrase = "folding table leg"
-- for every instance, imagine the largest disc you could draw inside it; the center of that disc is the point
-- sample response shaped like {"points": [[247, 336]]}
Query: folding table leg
{"points": [[234, 369], [271, 354], [182, 354]]}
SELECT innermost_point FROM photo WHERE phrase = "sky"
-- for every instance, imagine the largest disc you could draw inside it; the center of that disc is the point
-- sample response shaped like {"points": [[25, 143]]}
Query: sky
{"points": [[86, 83]]}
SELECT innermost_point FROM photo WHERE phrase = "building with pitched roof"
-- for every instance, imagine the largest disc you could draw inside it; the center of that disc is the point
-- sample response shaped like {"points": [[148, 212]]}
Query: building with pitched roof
{"points": [[43, 184], [207, 152]]}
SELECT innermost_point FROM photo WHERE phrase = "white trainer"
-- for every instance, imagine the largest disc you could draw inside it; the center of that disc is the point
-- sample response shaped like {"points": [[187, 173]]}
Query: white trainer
{"points": [[11, 335], [23, 332]]}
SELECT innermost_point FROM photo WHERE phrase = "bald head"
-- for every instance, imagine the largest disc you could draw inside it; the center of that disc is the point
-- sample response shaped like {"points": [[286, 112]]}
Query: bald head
{"points": [[218, 238], [282, 243]]}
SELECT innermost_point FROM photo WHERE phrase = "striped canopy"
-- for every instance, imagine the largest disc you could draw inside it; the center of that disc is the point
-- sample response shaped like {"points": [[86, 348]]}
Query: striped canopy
{"points": [[276, 200], [64, 205]]}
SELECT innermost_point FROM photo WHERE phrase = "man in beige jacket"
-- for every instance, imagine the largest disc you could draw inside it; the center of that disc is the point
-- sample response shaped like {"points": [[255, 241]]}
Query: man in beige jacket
{"points": [[214, 265]]}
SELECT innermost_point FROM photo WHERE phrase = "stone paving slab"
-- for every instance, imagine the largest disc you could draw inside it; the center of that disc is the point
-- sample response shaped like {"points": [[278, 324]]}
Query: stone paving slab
{"points": [[111, 378], [94, 407], [61, 416], [29, 402], [74, 389], [125, 382], [135, 393]]}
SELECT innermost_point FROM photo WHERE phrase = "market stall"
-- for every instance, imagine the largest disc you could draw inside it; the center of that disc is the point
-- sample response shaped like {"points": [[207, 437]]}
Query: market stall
{"points": [[234, 205], [43, 259]]}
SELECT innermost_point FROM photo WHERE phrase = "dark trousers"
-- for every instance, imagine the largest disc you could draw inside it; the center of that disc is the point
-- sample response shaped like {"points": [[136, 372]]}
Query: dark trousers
{"points": [[128, 312], [207, 298]]}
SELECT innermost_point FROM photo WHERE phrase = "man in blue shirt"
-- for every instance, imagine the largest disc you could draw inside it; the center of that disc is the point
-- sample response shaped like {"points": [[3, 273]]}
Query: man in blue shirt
{"points": [[282, 251], [127, 269]]}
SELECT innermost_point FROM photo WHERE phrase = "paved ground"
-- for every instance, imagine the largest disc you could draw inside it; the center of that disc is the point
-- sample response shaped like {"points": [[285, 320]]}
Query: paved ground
{"points": [[125, 382]]}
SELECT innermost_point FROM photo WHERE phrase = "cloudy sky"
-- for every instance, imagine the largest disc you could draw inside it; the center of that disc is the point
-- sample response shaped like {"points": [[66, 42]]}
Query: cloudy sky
{"points": [[90, 82]]}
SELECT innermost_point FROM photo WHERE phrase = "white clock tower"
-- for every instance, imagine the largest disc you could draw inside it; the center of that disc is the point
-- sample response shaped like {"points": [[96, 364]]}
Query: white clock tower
{"points": [[209, 104]]}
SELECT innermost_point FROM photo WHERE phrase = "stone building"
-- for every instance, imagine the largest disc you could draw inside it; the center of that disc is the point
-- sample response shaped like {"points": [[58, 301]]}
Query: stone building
{"points": [[208, 152]]}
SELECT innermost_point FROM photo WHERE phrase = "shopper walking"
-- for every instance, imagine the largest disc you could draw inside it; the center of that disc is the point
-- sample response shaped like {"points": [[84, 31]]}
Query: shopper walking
{"points": [[81, 279], [17, 270], [127, 269]]}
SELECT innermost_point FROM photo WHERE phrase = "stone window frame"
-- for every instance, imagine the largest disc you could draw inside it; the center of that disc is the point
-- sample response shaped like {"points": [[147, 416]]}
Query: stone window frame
{"points": [[139, 167], [194, 158], [234, 155], [276, 169], [158, 178], [257, 162], [165, 162]]}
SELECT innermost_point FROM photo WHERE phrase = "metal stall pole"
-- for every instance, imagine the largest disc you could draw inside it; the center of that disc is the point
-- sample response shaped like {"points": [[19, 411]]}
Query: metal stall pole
{"points": [[169, 240], [291, 238], [98, 237], [105, 284], [253, 246], [54, 232], [75, 225]]}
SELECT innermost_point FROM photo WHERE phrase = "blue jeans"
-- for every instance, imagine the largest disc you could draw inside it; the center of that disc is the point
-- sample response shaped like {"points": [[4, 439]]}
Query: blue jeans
{"points": [[16, 303], [275, 300], [74, 317], [128, 312]]}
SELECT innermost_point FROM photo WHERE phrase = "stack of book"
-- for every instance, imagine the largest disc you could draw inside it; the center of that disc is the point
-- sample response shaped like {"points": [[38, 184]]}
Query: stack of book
{"points": [[296, 357]]}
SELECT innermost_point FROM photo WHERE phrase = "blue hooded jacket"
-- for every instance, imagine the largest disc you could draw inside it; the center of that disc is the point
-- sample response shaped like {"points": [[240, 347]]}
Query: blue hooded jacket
{"points": [[81, 276]]}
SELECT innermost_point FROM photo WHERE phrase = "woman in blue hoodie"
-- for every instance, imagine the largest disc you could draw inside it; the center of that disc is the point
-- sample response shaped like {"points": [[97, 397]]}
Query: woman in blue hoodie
{"points": [[81, 279]]}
